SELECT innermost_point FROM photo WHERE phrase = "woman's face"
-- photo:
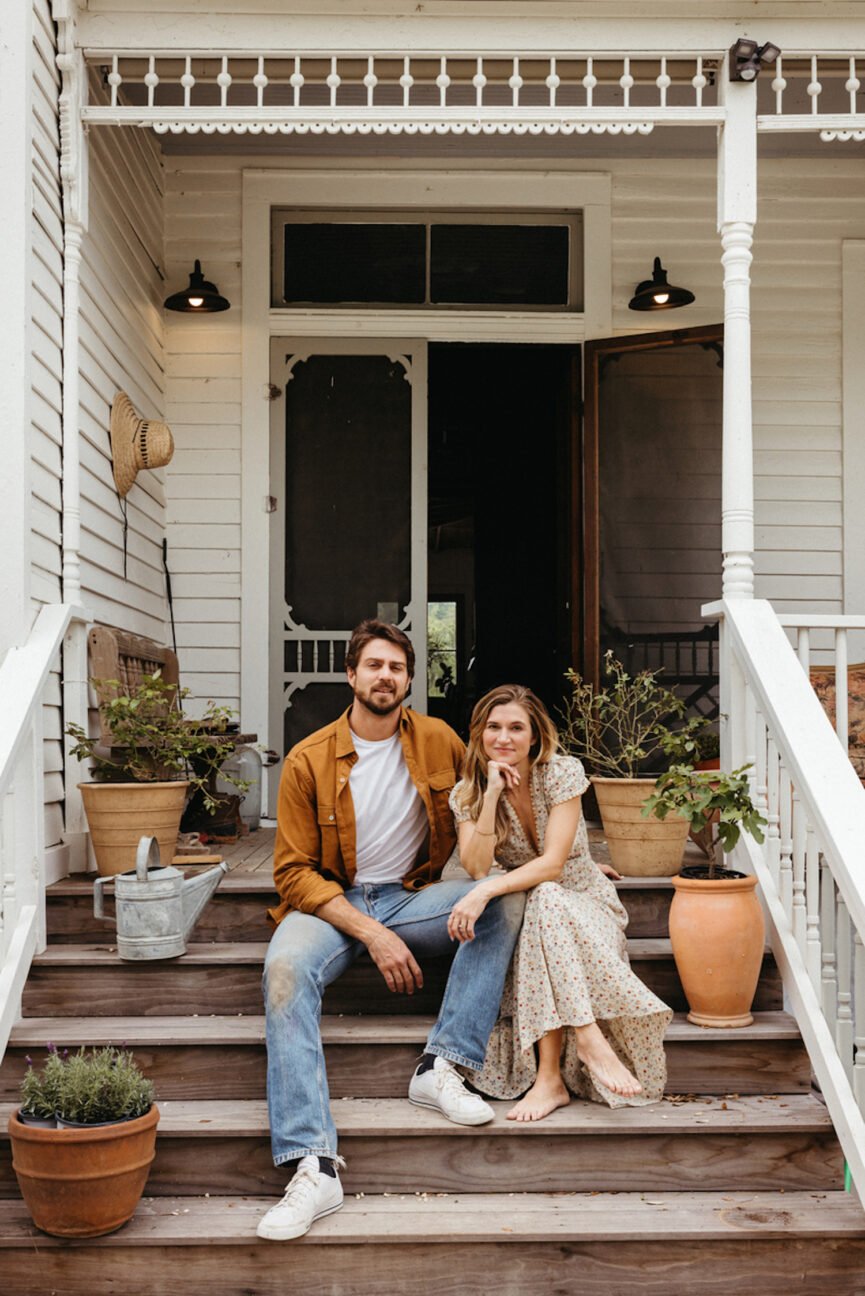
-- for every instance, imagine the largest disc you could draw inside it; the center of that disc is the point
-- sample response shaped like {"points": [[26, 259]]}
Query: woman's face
{"points": [[507, 736]]}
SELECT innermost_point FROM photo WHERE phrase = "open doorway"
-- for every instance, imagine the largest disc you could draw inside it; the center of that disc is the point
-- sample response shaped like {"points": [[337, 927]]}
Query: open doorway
{"points": [[653, 437], [504, 541]]}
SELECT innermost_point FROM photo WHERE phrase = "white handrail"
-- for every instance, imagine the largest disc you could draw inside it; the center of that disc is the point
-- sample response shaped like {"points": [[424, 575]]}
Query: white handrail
{"points": [[811, 867], [23, 675]]}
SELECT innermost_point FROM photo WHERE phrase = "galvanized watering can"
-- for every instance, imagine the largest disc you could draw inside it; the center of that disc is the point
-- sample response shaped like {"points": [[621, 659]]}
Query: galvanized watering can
{"points": [[156, 908]]}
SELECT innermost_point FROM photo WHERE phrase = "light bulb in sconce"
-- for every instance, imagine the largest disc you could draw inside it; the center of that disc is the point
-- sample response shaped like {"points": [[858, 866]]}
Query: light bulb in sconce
{"points": [[661, 299], [657, 294], [201, 295]]}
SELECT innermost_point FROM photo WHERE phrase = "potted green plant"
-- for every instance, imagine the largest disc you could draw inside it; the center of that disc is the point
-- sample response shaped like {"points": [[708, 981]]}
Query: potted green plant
{"points": [[631, 725], [157, 758], [717, 929], [85, 1176]]}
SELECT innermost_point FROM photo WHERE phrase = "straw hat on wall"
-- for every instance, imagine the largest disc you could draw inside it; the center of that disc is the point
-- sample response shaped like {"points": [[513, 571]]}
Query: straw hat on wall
{"points": [[136, 443]]}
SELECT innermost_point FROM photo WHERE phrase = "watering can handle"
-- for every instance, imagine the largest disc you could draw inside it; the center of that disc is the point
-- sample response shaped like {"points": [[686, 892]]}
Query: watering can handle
{"points": [[147, 857], [99, 896]]}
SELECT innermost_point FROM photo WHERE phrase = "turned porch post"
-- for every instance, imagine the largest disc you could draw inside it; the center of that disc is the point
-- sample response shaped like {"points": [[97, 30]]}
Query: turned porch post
{"points": [[737, 214]]}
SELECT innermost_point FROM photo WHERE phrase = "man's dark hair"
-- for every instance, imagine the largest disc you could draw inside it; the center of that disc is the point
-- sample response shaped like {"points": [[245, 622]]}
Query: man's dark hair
{"points": [[372, 629]]}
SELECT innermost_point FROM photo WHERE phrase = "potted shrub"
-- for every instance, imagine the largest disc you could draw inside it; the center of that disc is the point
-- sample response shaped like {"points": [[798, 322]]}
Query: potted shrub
{"points": [[157, 757], [717, 929], [619, 731], [85, 1176]]}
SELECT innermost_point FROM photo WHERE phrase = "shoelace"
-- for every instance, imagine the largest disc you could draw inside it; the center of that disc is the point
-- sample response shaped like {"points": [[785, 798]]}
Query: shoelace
{"points": [[303, 1183], [448, 1080]]}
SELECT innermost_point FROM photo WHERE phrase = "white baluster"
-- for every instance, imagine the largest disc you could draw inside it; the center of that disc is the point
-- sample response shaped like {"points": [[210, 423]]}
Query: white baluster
{"points": [[370, 81], [443, 81], [334, 80], [785, 885], [829, 969], [589, 82], [663, 82], [553, 82], [8, 880], [798, 916], [841, 687], [699, 81], [844, 1020], [407, 80], [626, 81], [814, 86], [224, 82], [812, 907], [115, 80], [516, 83], [779, 85], [773, 799], [188, 81], [760, 775], [859, 1013], [296, 81], [750, 709], [803, 647], [852, 85], [151, 80]]}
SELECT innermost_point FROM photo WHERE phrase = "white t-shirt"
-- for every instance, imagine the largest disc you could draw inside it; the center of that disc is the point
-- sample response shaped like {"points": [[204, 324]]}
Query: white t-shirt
{"points": [[390, 816]]}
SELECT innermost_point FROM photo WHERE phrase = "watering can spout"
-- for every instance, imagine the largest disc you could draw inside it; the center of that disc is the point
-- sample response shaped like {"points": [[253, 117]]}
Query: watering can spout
{"points": [[196, 893]]}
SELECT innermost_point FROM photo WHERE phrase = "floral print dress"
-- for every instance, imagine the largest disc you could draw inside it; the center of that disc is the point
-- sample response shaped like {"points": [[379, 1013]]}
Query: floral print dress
{"points": [[570, 966]]}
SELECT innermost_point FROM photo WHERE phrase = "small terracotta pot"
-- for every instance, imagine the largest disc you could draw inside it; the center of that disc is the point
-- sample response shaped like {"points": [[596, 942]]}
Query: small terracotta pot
{"points": [[718, 935], [639, 847], [83, 1182], [120, 814]]}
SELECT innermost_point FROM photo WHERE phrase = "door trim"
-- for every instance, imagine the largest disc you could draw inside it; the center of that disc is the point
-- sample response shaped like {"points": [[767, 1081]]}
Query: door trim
{"points": [[595, 352]]}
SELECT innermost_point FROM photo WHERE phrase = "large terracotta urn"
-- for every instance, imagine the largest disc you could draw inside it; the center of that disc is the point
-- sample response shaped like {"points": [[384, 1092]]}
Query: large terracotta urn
{"points": [[718, 935], [639, 846], [120, 814]]}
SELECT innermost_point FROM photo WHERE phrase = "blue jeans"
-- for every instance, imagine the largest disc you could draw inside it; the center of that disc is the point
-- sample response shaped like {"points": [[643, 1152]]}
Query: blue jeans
{"points": [[306, 954]]}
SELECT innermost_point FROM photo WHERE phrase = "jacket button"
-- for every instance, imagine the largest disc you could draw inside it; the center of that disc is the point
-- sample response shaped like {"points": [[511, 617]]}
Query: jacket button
{"points": [[330, 817]]}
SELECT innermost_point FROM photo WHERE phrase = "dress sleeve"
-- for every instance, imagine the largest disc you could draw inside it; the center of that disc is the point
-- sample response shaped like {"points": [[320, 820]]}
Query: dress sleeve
{"points": [[565, 779], [460, 813]]}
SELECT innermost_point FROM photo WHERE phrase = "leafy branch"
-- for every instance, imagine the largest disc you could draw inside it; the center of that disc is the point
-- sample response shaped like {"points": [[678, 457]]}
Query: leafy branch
{"points": [[152, 740], [616, 730], [708, 797]]}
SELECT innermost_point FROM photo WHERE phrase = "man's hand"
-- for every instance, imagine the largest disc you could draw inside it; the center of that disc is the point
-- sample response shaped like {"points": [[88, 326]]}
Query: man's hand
{"points": [[395, 961]]}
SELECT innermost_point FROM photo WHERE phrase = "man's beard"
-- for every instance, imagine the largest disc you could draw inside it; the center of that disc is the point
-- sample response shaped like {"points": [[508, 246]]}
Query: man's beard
{"points": [[380, 708]]}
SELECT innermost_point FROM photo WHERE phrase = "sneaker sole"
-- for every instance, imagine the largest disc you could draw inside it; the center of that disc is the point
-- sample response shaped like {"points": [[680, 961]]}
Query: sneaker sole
{"points": [[283, 1236], [483, 1120]]}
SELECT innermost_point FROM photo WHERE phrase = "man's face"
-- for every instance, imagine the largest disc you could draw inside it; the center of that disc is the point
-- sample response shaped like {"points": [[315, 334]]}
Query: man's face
{"points": [[381, 680]]}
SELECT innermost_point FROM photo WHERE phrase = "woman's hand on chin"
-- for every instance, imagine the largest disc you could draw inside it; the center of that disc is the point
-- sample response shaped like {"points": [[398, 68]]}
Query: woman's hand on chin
{"points": [[501, 777], [465, 913]]}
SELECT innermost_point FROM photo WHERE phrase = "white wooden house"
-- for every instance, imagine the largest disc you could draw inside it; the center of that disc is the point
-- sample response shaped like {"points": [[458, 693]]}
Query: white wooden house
{"points": [[429, 221]]}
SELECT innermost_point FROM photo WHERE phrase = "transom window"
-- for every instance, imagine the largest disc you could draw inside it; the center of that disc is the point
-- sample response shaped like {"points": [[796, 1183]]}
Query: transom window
{"points": [[437, 261]]}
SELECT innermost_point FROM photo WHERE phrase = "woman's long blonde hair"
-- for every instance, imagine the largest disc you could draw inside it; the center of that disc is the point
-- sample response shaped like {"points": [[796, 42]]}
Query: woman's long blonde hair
{"points": [[545, 743]]}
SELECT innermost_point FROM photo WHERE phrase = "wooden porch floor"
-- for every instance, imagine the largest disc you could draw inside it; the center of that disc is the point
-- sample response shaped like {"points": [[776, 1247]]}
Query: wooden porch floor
{"points": [[254, 853]]}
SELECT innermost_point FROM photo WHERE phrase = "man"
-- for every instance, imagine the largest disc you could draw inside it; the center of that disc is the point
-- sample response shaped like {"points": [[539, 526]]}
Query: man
{"points": [[364, 830]]}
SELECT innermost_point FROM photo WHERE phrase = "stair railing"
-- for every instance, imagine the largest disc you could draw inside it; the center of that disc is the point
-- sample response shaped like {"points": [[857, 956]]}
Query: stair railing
{"points": [[23, 677], [811, 866]]}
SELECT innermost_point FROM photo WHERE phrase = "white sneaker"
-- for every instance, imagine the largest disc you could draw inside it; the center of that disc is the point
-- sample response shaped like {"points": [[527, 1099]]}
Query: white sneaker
{"points": [[442, 1088], [309, 1196]]}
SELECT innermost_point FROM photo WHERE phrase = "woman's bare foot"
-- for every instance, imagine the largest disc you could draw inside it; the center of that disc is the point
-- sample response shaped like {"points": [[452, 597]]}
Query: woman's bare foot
{"points": [[543, 1097], [597, 1056]]}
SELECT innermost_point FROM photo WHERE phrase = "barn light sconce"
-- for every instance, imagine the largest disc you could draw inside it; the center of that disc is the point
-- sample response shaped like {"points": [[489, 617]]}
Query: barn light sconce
{"points": [[200, 298], [656, 294], [747, 59]]}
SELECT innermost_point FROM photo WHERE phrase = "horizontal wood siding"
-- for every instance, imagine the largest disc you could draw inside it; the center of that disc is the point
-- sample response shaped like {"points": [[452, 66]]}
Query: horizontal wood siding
{"points": [[202, 220], [806, 208], [122, 349], [46, 433]]}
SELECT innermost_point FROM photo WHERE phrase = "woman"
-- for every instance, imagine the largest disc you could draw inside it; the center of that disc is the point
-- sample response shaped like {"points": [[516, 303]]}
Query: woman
{"points": [[598, 1030]]}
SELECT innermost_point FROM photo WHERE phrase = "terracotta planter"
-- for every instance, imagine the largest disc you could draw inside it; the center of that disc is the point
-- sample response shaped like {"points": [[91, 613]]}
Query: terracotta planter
{"points": [[718, 936], [120, 814], [83, 1182], [639, 847]]}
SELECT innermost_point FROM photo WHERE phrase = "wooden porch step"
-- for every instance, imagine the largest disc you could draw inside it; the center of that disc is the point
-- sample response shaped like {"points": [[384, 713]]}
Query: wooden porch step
{"points": [[237, 911], [710, 1144], [372, 1057], [595, 1244], [226, 977]]}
